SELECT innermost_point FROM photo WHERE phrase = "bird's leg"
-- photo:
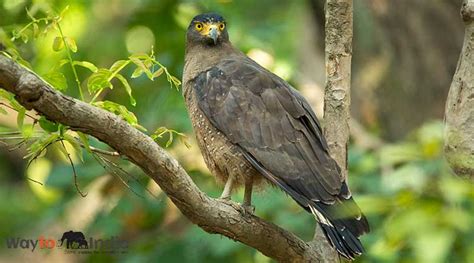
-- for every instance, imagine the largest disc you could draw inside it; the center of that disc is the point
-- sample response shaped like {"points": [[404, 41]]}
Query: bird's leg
{"points": [[247, 203], [228, 187]]}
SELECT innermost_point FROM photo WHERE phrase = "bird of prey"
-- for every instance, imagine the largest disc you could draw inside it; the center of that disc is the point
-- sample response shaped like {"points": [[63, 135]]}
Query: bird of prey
{"points": [[252, 127]]}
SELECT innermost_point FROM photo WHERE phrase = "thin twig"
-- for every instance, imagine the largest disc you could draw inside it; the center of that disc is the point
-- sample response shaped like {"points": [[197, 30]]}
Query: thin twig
{"points": [[16, 137], [73, 170], [16, 146], [97, 150], [10, 133], [71, 62], [26, 114], [108, 167], [15, 133], [100, 151], [116, 166], [35, 181], [39, 153]]}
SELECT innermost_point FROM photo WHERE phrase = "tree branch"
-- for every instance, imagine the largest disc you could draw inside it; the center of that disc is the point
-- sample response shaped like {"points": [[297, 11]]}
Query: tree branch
{"points": [[213, 215], [459, 115]]}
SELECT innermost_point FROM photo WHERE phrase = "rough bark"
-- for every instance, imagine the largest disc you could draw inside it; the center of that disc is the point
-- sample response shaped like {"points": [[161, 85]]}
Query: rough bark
{"points": [[459, 115], [338, 79], [213, 215], [338, 49]]}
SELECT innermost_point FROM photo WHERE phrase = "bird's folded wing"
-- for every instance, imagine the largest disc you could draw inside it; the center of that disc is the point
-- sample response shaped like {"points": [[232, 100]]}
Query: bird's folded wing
{"points": [[274, 126]]}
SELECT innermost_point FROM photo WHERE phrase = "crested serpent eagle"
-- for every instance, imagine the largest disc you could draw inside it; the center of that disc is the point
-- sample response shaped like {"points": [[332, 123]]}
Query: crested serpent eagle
{"points": [[252, 127]]}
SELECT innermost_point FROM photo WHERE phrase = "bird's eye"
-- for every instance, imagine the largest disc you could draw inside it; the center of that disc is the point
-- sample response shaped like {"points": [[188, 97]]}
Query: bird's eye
{"points": [[221, 26], [198, 26]]}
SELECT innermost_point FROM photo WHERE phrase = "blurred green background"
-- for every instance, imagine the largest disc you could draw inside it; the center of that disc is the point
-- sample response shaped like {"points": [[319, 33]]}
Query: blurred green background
{"points": [[405, 53]]}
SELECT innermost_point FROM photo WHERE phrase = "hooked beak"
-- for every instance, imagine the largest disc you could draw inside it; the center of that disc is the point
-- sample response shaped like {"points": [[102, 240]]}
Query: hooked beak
{"points": [[213, 33]]}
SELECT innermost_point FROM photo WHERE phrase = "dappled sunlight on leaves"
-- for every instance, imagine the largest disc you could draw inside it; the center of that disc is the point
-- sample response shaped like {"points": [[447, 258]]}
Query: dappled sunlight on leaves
{"points": [[419, 209]]}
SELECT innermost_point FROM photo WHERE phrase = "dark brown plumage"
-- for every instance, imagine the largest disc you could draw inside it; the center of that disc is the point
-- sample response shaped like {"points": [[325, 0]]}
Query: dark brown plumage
{"points": [[251, 124]]}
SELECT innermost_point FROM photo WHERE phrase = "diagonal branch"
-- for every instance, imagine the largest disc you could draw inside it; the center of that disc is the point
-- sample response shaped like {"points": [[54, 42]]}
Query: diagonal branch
{"points": [[213, 215]]}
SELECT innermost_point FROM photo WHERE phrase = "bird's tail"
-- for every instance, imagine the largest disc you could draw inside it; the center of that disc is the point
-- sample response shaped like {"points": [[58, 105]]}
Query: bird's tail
{"points": [[342, 229]]}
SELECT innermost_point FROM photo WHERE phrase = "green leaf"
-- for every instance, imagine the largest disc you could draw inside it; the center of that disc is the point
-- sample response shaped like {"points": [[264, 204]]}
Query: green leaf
{"points": [[58, 44], [20, 119], [62, 129], [5, 94], [47, 125], [137, 73], [175, 81], [140, 56], [62, 62], [136, 60], [30, 15], [87, 65], [99, 81], [127, 87], [118, 66], [159, 133], [24, 37], [11, 99], [170, 140], [157, 73], [56, 79], [27, 131], [63, 12], [35, 30], [50, 27], [85, 140], [163, 130], [139, 127], [119, 110], [71, 43], [75, 144]]}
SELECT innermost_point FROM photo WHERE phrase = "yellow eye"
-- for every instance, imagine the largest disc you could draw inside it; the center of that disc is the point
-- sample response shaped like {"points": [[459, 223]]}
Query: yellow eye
{"points": [[221, 26], [198, 26]]}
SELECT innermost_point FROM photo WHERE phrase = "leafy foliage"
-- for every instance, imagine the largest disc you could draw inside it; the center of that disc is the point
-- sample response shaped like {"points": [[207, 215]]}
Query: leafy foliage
{"points": [[160, 132], [121, 111], [415, 205], [97, 82]]}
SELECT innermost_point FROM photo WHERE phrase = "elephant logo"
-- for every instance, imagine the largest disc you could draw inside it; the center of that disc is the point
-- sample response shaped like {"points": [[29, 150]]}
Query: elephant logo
{"points": [[74, 240]]}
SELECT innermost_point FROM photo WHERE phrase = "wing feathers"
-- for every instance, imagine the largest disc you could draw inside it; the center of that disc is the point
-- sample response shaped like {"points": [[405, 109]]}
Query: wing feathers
{"points": [[280, 136]]}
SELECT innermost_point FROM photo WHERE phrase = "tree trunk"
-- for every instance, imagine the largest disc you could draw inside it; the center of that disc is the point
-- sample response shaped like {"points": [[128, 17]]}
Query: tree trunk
{"points": [[338, 79], [338, 32], [459, 115]]}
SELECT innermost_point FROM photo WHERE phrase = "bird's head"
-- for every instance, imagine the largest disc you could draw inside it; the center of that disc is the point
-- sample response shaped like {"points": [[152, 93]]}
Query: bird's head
{"points": [[207, 29]]}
